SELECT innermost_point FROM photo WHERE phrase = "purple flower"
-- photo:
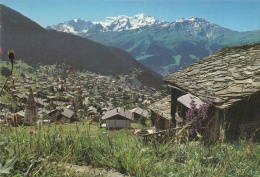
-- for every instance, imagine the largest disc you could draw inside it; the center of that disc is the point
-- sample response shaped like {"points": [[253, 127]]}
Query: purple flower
{"points": [[198, 116]]}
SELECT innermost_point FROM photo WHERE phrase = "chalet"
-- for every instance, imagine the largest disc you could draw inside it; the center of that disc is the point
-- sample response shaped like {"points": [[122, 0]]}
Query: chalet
{"points": [[161, 117], [17, 84], [92, 111], [118, 118], [2, 105], [26, 86], [51, 98], [40, 102], [58, 103], [232, 78], [42, 83], [18, 118], [66, 113], [21, 113], [44, 114], [139, 112], [21, 97], [53, 115]]}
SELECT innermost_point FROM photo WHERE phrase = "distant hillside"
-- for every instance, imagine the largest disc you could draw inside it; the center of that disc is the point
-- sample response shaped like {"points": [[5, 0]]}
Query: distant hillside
{"points": [[163, 46], [34, 44]]}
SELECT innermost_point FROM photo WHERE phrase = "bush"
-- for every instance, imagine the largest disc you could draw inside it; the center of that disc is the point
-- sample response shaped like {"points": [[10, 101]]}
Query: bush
{"points": [[22, 75], [5, 72]]}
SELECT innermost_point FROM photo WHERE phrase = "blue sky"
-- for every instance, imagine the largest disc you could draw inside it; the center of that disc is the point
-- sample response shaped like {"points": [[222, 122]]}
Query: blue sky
{"points": [[239, 15]]}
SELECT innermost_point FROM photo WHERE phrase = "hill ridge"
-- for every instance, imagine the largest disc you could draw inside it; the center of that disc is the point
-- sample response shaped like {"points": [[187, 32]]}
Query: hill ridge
{"points": [[37, 45]]}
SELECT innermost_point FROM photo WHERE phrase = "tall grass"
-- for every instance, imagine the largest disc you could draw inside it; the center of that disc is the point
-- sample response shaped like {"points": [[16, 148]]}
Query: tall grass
{"points": [[42, 151]]}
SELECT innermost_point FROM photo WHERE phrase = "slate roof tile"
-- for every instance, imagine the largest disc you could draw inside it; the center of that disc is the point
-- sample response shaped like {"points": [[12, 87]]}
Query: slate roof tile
{"points": [[229, 75], [162, 107]]}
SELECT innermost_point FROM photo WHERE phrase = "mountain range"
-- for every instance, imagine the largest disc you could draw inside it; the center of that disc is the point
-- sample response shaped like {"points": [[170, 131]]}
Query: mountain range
{"points": [[163, 46], [37, 45]]}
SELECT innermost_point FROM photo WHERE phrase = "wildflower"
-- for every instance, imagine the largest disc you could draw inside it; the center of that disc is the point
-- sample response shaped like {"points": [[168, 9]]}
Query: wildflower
{"points": [[197, 115], [11, 57]]}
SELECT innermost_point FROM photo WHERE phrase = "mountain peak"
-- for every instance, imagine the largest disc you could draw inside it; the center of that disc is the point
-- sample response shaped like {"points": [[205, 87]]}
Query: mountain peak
{"points": [[124, 22], [76, 20], [75, 26], [191, 19], [141, 15], [193, 24]]}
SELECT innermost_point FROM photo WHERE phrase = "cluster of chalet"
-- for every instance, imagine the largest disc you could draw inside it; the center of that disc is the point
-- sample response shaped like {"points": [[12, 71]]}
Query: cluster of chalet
{"points": [[63, 84]]}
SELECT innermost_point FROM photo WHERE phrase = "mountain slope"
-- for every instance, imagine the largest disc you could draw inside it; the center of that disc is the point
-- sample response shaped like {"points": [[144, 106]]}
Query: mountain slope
{"points": [[163, 46], [35, 45]]}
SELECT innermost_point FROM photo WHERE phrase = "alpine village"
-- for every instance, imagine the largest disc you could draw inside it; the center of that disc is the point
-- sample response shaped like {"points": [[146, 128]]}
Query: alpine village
{"points": [[73, 104]]}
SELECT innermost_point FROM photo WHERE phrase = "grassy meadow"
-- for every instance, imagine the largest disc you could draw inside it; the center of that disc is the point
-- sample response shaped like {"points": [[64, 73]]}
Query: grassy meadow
{"points": [[31, 151]]}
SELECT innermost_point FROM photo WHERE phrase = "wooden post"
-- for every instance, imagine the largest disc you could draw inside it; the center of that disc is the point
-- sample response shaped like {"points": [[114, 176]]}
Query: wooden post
{"points": [[173, 106], [216, 126], [219, 126]]}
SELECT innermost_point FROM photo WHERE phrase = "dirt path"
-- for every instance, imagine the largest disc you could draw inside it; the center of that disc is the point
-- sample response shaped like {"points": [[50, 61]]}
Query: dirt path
{"points": [[91, 171]]}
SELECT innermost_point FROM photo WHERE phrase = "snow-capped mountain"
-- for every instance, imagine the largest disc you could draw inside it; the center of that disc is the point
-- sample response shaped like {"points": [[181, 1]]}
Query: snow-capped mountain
{"points": [[76, 26], [139, 21], [119, 23], [163, 46], [124, 22], [193, 25]]}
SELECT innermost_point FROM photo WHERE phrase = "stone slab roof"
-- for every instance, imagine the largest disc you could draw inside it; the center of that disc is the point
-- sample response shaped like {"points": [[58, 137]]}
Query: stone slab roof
{"points": [[162, 107], [228, 76]]}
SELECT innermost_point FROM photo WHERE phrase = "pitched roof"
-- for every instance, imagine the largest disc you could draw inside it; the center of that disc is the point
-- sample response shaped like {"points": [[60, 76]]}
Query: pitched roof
{"points": [[21, 95], [21, 113], [186, 100], [41, 101], [119, 111], [228, 76], [162, 107], [66, 112], [141, 112]]}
